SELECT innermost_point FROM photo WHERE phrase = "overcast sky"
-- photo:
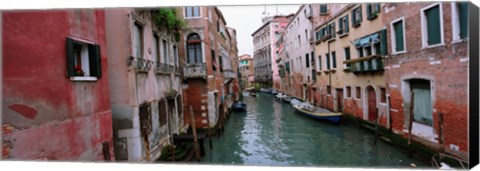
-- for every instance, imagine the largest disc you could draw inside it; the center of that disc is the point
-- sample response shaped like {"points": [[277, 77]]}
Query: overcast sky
{"points": [[247, 19]]}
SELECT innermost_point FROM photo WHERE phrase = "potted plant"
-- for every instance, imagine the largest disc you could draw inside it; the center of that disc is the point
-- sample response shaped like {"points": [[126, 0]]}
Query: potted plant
{"points": [[79, 71]]}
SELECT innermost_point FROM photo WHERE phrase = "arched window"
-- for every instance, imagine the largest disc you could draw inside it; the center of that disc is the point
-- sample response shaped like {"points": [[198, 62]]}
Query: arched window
{"points": [[194, 49]]}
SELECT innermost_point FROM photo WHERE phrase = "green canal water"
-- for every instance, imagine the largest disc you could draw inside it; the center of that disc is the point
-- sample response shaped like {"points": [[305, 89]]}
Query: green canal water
{"points": [[271, 133]]}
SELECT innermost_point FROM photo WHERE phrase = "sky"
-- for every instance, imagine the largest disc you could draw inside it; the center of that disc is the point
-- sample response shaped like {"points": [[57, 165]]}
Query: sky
{"points": [[247, 19]]}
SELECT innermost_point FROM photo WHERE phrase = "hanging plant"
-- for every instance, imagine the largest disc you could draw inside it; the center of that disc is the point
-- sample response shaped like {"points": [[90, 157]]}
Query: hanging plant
{"points": [[166, 18]]}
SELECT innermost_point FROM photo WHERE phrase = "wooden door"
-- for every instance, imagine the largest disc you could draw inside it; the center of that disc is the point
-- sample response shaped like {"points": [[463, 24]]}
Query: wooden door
{"points": [[372, 104], [340, 100]]}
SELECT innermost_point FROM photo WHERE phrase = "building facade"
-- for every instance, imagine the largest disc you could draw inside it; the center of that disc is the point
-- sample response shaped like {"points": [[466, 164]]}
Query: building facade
{"points": [[246, 71], [265, 51], [146, 94], [426, 73], [204, 50], [56, 103]]}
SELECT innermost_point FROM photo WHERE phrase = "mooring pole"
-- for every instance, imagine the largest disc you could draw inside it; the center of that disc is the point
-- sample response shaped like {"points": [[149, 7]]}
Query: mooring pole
{"points": [[410, 123], [195, 140]]}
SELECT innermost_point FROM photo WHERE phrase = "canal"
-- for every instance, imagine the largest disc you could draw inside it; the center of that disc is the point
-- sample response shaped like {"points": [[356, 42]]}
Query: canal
{"points": [[271, 133]]}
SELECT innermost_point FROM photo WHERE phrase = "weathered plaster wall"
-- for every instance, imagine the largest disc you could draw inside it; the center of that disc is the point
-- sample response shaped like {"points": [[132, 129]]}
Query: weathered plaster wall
{"points": [[40, 102]]}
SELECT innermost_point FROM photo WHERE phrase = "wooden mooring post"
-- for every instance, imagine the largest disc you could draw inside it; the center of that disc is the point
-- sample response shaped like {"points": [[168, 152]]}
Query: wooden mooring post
{"points": [[376, 127], [195, 140], [410, 124]]}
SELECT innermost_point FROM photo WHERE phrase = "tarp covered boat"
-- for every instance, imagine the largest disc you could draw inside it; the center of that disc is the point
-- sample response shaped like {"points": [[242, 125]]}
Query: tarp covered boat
{"points": [[315, 112]]}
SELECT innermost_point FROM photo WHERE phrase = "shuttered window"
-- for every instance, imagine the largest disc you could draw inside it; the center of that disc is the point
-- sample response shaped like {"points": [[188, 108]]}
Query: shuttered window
{"points": [[398, 30], [463, 18], [323, 9], [334, 60], [319, 62], [432, 16], [83, 59], [372, 11], [307, 61], [357, 16], [327, 57], [347, 56]]}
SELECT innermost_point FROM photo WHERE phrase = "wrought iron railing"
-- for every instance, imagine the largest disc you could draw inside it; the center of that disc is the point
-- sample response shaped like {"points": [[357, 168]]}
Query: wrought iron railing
{"points": [[195, 70], [164, 68], [140, 64]]}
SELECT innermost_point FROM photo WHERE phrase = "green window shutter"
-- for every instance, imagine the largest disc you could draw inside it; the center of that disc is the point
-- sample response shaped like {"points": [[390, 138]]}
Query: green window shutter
{"points": [[70, 58], [95, 60], [353, 17], [347, 55], [312, 56], [346, 24], [398, 26], [360, 14], [314, 75], [323, 9], [463, 15], [369, 10], [383, 42], [320, 62], [333, 29], [327, 57], [340, 24], [334, 60], [433, 25]]}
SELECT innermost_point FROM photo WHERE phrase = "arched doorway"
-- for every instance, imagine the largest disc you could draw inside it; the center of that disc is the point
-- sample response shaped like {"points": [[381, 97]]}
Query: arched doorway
{"points": [[371, 103]]}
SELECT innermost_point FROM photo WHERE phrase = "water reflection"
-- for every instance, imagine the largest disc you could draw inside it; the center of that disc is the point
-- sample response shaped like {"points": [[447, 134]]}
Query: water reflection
{"points": [[271, 133]]}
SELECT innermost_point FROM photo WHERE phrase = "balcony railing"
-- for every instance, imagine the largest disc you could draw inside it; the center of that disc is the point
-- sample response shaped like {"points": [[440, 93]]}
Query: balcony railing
{"points": [[229, 74], [178, 70], [162, 68], [140, 64], [366, 64], [195, 70]]}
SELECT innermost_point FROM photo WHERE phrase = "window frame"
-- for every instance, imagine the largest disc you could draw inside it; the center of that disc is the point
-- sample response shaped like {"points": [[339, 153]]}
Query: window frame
{"points": [[347, 66], [456, 25], [358, 90], [348, 92], [192, 17], [424, 30], [90, 53], [393, 39], [357, 23]]}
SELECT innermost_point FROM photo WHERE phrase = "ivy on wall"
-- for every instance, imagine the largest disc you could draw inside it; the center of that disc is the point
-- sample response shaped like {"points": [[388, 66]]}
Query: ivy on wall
{"points": [[166, 18]]}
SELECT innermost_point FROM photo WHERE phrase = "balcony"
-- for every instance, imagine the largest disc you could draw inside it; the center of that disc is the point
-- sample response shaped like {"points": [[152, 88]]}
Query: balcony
{"points": [[161, 68], [229, 74], [197, 70], [177, 70], [366, 64], [140, 64]]}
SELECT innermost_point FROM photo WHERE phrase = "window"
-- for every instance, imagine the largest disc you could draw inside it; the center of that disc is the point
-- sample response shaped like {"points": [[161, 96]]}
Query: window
{"points": [[299, 41], [156, 51], [459, 20], [162, 112], [83, 59], [194, 49], [348, 92], [398, 36], [432, 25], [334, 60], [343, 25], [307, 61], [220, 62], [319, 62], [312, 55], [192, 12], [306, 35], [214, 62], [327, 57], [358, 93], [383, 95], [372, 11], [175, 54], [347, 56], [357, 16], [210, 14], [329, 90], [138, 40], [165, 51], [374, 44], [323, 9]]}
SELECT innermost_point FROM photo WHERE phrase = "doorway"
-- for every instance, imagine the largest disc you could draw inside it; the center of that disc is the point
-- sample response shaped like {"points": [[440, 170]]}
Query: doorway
{"points": [[339, 99], [371, 103]]}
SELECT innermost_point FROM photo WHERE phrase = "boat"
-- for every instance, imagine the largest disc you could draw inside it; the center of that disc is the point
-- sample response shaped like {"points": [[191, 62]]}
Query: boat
{"points": [[315, 112], [287, 99], [280, 96], [239, 106]]}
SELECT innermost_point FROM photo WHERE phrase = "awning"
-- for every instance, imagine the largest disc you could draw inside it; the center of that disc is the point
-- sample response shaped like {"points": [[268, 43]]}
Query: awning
{"points": [[356, 43], [365, 41], [374, 38]]}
